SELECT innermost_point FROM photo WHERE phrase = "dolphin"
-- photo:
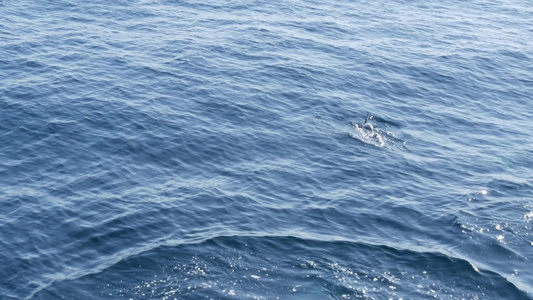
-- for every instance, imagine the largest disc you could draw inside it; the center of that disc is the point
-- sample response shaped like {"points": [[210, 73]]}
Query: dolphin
{"points": [[366, 125]]}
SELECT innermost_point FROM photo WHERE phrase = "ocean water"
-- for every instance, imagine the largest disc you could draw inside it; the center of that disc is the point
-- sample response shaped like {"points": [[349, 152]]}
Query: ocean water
{"points": [[175, 149]]}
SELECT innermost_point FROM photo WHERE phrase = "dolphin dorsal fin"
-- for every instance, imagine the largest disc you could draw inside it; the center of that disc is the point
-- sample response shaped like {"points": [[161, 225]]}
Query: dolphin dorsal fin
{"points": [[366, 119]]}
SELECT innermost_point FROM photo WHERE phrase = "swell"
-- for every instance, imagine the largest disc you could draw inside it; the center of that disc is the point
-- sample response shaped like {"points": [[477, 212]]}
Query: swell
{"points": [[336, 266]]}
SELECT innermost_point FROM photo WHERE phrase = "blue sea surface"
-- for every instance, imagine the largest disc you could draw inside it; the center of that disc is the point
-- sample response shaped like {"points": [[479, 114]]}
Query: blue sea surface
{"points": [[177, 149]]}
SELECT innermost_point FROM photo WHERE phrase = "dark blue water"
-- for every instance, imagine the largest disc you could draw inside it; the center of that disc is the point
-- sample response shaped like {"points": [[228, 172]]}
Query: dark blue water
{"points": [[198, 149]]}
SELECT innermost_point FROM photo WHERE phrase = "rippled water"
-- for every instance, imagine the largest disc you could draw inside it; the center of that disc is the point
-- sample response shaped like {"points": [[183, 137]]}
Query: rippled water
{"points": [[186, 150]]}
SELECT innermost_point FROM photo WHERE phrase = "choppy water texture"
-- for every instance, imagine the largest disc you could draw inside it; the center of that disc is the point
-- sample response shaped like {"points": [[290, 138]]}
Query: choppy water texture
{"points": [[201, 149]]}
